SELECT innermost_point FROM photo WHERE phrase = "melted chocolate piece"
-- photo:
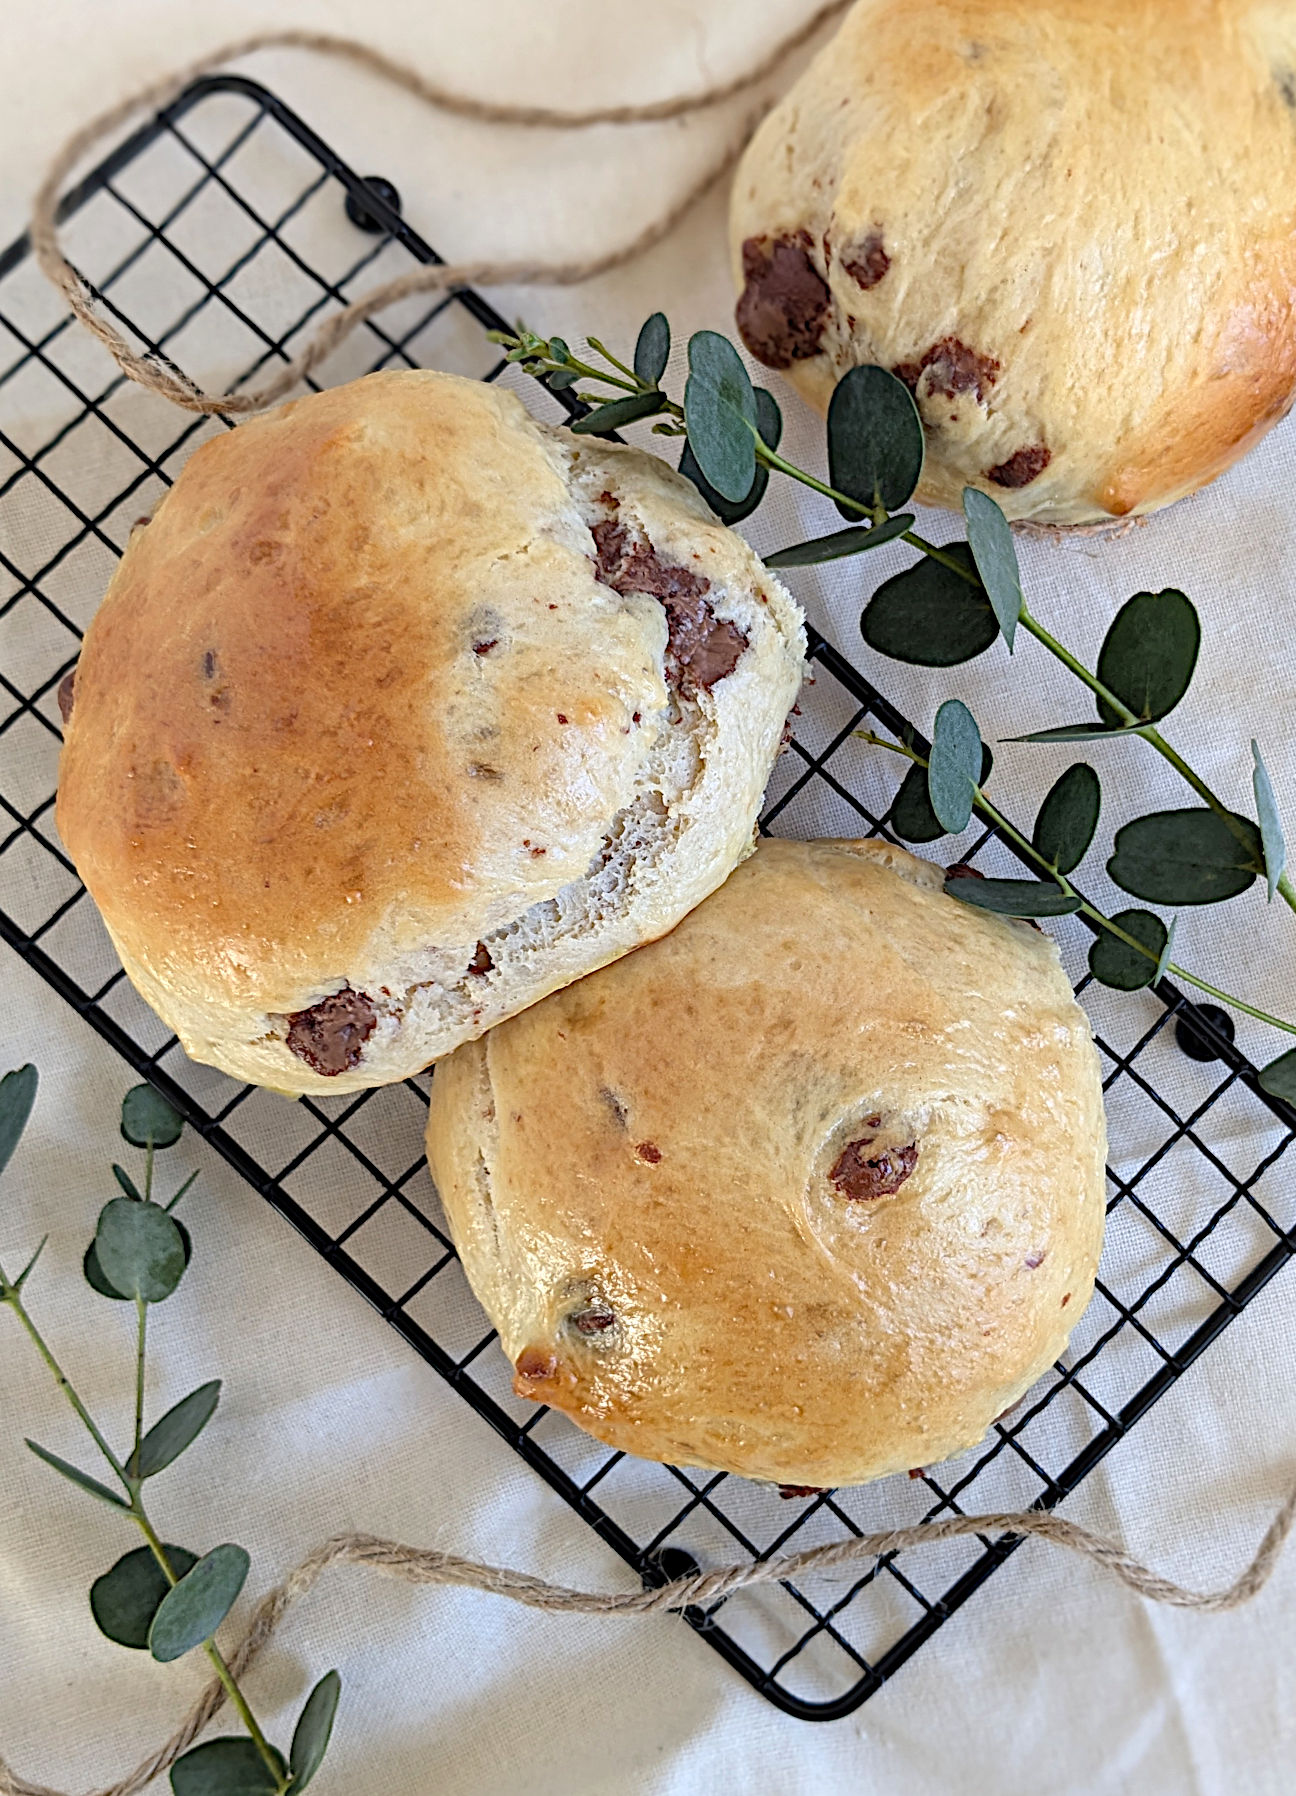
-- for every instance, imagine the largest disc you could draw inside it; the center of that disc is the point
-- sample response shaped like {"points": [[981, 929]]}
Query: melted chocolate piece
{"points": [[867, 262], [961, 870], [534, 1366], [1020, 469], [700, 649], [649, 1152], [481, 961], [800, 1490], [67, 693], [951, 368], [859, 1177], [330, 1035], [593, 1322], [784, 304]]}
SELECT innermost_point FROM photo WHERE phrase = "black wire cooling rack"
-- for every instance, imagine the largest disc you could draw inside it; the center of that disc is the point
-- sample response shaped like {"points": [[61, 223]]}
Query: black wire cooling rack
{"points": [[216, 235]]}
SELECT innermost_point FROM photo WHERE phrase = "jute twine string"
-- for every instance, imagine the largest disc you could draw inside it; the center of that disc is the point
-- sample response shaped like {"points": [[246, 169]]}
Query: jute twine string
{"points": [[159, 377], [421, 1565]]}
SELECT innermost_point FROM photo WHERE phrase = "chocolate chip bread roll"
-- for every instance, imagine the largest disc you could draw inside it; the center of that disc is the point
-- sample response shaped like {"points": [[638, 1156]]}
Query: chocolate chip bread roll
{"points": [[405, 710], [811, 1190], [1069, 226]]}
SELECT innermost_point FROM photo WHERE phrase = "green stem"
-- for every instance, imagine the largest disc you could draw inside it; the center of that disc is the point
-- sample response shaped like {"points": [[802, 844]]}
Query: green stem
{"points": [[14, 1299], [995, 816], [148, 1172], [141, 1314], [608, 356], [213, 1653]]}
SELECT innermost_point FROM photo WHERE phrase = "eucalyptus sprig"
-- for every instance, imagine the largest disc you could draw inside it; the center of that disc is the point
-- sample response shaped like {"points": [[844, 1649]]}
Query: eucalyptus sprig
{"points": [[949, 607], [161, 1598]]}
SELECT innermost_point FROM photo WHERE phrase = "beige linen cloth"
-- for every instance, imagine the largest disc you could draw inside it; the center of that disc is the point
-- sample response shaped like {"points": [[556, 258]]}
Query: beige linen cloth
{"points": [[1053, 1678]]}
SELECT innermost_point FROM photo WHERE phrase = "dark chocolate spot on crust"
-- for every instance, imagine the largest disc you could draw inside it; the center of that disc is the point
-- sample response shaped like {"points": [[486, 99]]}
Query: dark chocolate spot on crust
{"points": [[961, 870], [951, 368], [481, 961], [209, 664], [785, 300], [330, 1035], [859, 1176], [66, 694], [1020, 469], [700, 647], [867, 262], [649, 1151], [1036, 1259], [484, 648], [800, 1490]]}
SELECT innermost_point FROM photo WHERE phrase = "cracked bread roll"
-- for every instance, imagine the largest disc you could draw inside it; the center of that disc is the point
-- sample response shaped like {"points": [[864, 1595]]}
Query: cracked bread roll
{"points": [[405, 710], [1068, 225], [811, 1190]]}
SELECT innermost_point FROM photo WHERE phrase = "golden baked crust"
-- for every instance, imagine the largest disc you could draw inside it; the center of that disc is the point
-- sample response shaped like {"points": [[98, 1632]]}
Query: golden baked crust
{"points": [[358, 704], [1070, 224], [649, 1175]]}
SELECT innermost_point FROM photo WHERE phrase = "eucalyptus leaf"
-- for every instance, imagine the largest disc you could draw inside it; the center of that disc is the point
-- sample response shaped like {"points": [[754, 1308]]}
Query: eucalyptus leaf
{"points": [[875, 440], [30, 1267], [1279, 1077], [954, 765], [17, 1095], [167, 1439], [1149, 654], [140, 1249], [1273, 841], [855, 541], [618, 412], [720, 412], [770, 425], [192, 1610], [912, 818], [560, 378], [930, 616], [558, 350], [1068, 818], [98, 1280], [228, 1766], [652, 349], [125, 1600], [127, 1183], [94, 1276], [995, 554], [311, 1738], [1186, 857], [1163, 959], [1013, 897], [76, 1476], [1078, 732], [1113, 962], [146, 1116]]}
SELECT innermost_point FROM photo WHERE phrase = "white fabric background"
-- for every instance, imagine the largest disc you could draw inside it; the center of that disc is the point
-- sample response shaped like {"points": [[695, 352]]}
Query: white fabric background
{"points": [[1052, 1677]]}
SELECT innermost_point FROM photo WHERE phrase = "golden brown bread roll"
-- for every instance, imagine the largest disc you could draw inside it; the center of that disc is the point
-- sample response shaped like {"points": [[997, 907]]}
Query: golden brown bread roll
{"points": [[404, 710], [811, 1190], [1068, 225]]}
